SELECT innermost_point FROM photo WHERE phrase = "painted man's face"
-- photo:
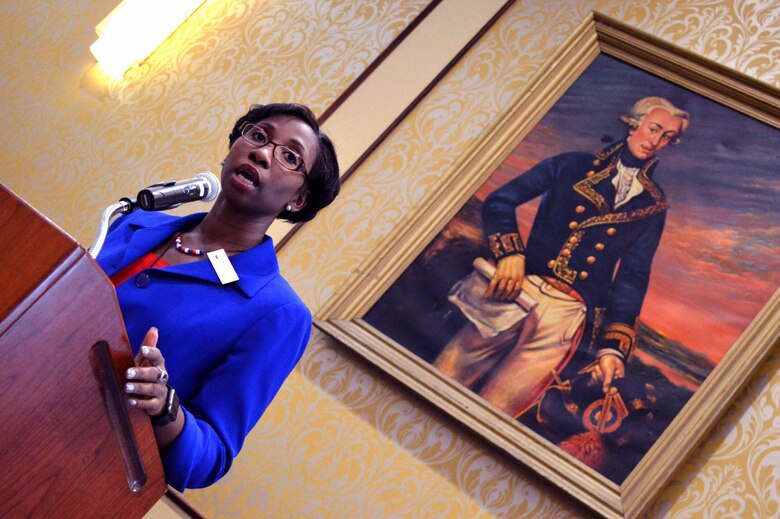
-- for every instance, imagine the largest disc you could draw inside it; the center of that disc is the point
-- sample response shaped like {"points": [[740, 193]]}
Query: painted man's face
{"points": [[658, 128]]}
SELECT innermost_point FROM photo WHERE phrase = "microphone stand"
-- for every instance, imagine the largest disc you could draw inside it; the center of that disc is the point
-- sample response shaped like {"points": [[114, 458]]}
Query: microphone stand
{"points": [[123, 206], [146, 201]]}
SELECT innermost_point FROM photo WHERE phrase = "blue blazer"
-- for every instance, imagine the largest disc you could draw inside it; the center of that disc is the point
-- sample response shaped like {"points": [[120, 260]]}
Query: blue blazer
{"points": [[578, 236], [227, 348]]}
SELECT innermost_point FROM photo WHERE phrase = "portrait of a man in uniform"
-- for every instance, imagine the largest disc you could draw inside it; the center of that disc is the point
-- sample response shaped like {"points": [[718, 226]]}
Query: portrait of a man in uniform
{"points": [[600, 272], [585, 266]]}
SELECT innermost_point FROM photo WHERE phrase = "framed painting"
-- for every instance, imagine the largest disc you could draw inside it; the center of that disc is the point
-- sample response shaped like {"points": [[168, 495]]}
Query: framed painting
{"points": [[594, 283]]}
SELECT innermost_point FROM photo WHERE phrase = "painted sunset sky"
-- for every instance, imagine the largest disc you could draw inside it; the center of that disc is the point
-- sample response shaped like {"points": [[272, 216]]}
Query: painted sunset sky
{"points": [[717, 264]]}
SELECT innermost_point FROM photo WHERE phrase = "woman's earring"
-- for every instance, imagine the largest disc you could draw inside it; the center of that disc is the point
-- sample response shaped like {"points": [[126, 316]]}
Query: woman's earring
{"points": [[222, 163], [288, 207]]}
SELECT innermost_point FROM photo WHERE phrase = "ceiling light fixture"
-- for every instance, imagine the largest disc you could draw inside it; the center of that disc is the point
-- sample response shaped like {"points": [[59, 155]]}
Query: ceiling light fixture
{"points": [[135, 28]]}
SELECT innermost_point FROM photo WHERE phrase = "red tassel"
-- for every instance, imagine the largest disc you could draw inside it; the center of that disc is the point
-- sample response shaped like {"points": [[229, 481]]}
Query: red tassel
{"points": [[587, 447]]}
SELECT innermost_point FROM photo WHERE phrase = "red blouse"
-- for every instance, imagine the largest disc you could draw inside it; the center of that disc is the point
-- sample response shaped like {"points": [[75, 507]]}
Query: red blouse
{"points": [[142, 263]]}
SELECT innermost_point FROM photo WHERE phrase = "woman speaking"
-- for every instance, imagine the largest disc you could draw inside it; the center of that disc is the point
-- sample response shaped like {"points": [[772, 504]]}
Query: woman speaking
{"points": [[211, 351]]}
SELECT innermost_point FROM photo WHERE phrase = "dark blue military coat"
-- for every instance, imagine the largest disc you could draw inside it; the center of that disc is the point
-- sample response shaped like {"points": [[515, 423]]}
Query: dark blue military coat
{"points": [[581, 240]]}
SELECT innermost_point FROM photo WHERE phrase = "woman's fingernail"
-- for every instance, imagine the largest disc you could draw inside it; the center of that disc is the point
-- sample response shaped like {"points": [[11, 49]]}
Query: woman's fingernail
{"points": [[131, 373], [133, 402], [129, 388], [145, 350]]}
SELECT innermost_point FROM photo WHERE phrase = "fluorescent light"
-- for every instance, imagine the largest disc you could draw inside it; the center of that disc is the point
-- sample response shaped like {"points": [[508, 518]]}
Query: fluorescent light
{"points": [[135, 28]]}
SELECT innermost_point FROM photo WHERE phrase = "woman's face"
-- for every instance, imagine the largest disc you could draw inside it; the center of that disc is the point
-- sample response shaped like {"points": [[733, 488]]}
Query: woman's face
{"points": [[255, 180]]}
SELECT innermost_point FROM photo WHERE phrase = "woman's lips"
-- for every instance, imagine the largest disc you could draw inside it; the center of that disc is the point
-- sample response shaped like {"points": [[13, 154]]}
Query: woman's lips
{"points": [[246, 177]]}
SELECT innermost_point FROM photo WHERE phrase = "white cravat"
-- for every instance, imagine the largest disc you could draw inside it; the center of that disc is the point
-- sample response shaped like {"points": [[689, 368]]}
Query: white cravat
{"points": [[626, 184]]}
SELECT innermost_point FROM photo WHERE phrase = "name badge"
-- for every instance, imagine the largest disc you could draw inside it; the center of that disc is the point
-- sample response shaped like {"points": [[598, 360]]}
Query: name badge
{"points": [[222, 266]]}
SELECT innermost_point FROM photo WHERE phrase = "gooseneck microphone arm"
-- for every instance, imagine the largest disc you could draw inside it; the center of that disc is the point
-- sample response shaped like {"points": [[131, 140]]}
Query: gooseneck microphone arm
{"points": [[158, 197], [123, 206]]}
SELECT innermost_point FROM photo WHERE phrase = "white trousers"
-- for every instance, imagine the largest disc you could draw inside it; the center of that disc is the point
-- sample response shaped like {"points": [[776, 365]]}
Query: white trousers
{"points": [[515, 366]]}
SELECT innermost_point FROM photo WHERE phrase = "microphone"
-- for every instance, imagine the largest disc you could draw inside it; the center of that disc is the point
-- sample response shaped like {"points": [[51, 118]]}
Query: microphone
{"points": [[159, 197]]}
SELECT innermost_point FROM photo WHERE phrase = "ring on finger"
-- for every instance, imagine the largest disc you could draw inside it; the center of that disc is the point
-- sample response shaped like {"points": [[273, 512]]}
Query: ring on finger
{"points": [[163, 376]]}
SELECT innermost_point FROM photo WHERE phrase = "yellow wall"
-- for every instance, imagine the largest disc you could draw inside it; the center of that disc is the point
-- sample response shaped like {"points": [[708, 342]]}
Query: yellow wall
{"points": [[342, 439]]}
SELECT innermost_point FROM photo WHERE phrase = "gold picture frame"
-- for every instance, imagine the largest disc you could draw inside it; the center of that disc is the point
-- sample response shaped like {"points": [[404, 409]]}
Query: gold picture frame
{"points": [[343, 315]]}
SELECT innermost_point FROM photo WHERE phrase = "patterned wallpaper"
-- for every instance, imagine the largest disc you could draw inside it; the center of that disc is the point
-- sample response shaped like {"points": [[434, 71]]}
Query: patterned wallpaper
{"points": [[734, 472], [75, 142], [342, 439]]}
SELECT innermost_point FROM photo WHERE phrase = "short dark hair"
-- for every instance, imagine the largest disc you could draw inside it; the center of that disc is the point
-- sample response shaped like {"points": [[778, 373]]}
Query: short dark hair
{"points": [[323, 178]]}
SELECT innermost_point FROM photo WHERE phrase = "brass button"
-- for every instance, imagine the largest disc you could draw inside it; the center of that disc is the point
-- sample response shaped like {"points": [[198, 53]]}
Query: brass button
{"points": [[590, 173], [580, 209], [591, 260], [573, 225], [611, 231], [574, 240], [583, 275], [596, 162], [551, 263], [566, 252], [599, 246]]}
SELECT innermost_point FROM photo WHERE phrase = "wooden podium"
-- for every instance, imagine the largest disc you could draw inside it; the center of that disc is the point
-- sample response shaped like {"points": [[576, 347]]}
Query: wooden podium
{"points": [[69, 445]]}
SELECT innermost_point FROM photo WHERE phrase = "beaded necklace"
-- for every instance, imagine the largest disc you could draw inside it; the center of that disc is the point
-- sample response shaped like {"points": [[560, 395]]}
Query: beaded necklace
{"points": [[186, 250], [195, 252]]}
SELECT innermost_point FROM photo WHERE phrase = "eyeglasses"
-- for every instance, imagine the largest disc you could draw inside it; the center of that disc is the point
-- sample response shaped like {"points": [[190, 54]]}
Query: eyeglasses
{"points": [[285, 156]]}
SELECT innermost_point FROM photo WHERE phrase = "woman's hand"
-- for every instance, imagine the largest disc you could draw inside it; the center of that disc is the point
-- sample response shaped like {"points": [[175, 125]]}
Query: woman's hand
{"points": [[147, 382], [508, 279]]}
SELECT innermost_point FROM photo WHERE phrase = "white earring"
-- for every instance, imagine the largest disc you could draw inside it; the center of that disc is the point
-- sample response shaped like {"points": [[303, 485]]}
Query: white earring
{"points": [[222, 163], [288, 207]]}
